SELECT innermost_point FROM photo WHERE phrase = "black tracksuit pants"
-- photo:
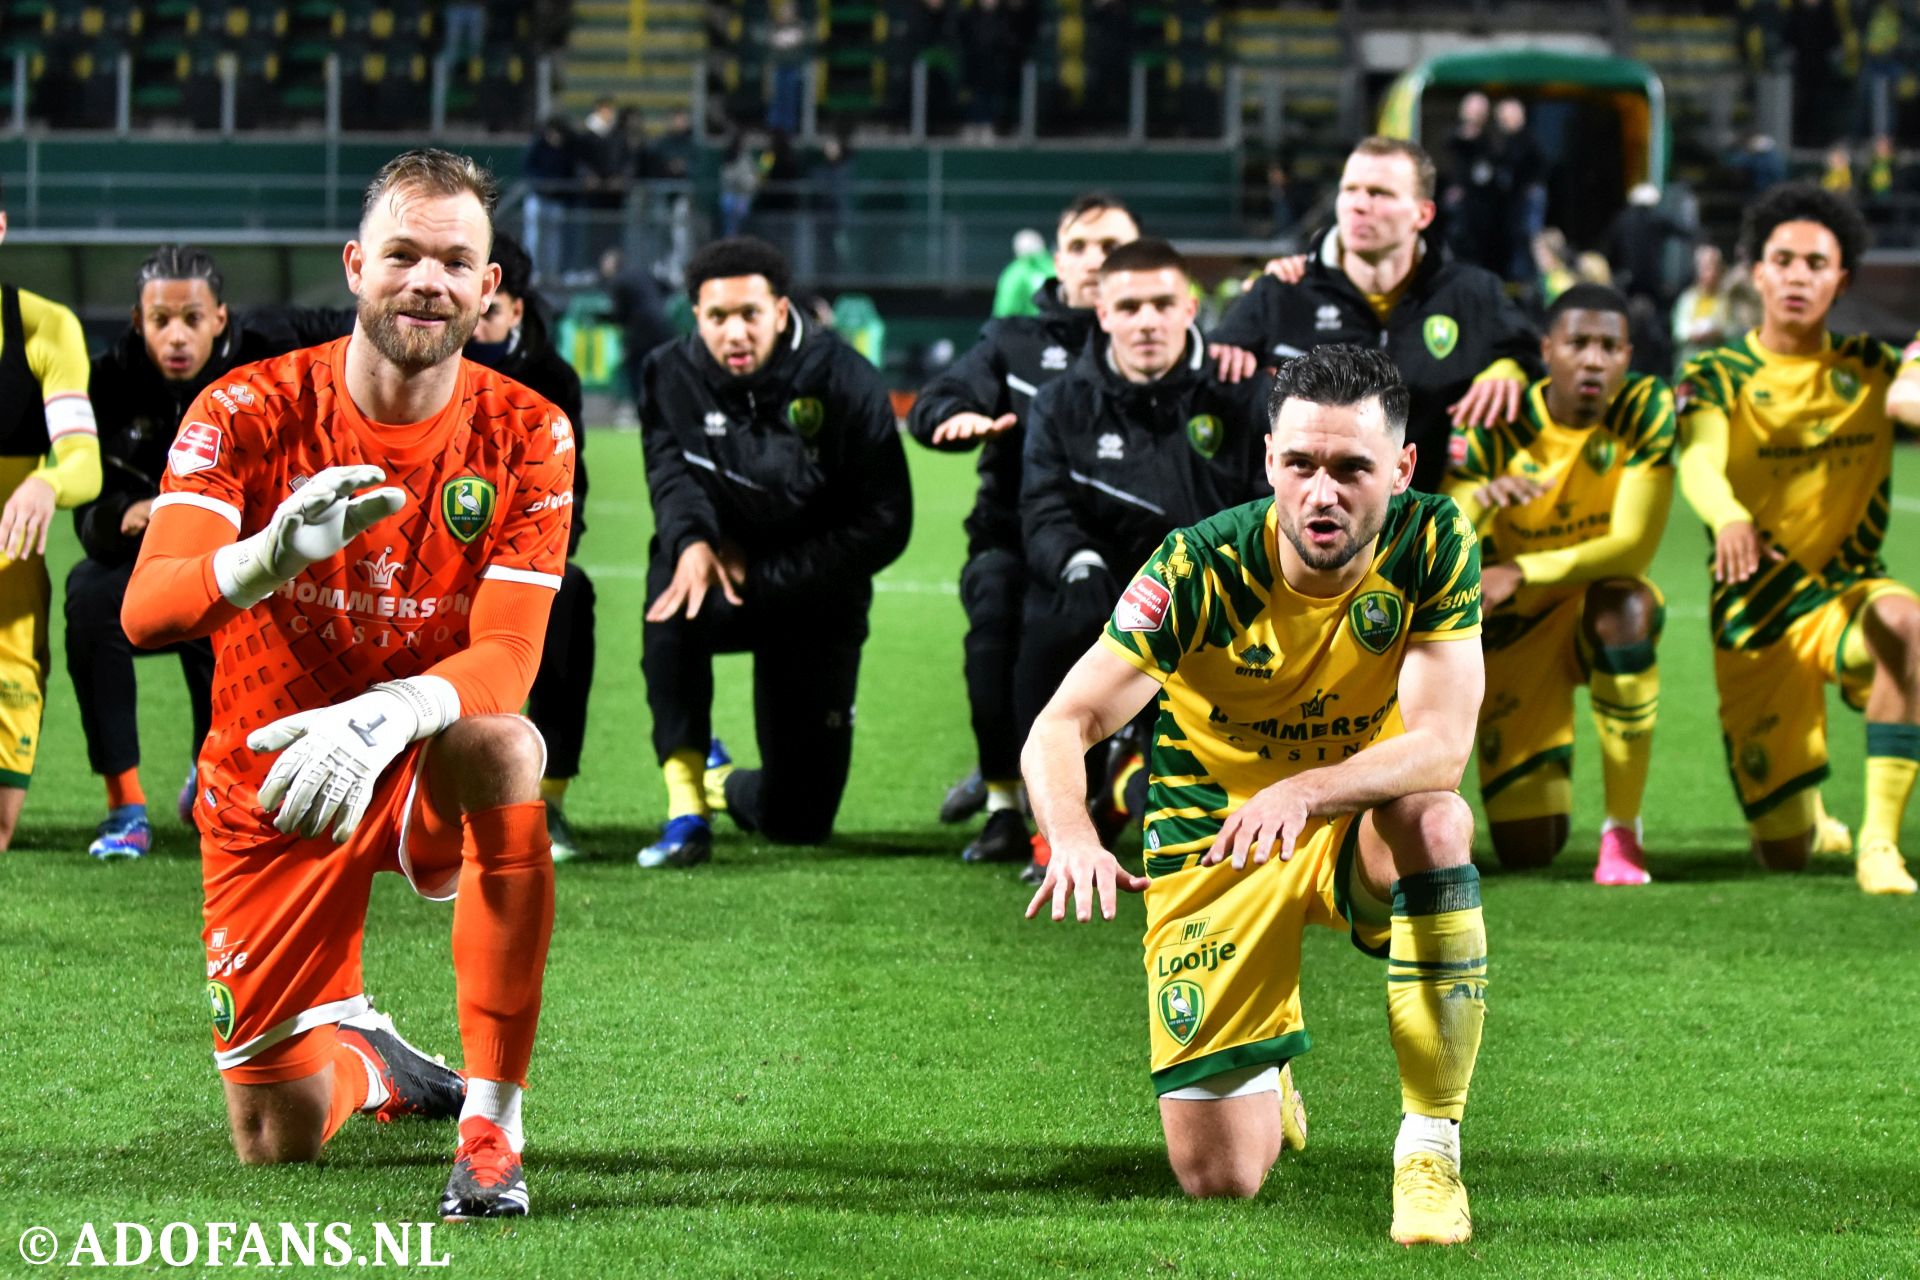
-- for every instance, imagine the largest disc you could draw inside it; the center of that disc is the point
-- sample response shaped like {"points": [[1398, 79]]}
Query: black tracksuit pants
{"points": [[993, 589], [558, 704], [100, 661], [806, 664]]}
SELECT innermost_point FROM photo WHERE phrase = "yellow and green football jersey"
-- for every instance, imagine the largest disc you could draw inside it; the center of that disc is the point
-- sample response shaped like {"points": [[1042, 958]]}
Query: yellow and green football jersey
{"points": [[1261, 682], [1809, 455], [1582, 469]]}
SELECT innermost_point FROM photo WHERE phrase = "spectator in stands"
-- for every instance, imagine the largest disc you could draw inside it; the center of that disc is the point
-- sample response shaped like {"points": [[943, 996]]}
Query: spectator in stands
{"points": [[1703, 317], [1760, 161], [635, 305], [779, 201], [1820, 41], [605, 167], [929, 34], [1551, 262], [833, 186], [465, 24], [991, 56], [1108, 54], [1476, 215], [739, 181], [1882, 63], [1525, 173], [551, 173], [671, 155], [1884, 177], [787, 52], [1283, 205], [1637, 246], [1838, 175]]}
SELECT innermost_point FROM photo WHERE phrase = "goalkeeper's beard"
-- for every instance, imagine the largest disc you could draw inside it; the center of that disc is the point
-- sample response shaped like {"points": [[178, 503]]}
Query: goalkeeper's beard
{"points": [[413, 350]]}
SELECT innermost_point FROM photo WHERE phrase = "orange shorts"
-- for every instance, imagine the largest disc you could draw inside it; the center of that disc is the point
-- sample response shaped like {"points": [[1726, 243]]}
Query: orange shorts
{"points": [[283, 926]]}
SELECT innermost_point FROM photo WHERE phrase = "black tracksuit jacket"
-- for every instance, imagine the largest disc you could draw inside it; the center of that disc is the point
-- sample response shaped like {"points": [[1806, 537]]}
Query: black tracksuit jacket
{"points": [[1453, 321], [799, 463], [1114, 466], [1000, 374]]}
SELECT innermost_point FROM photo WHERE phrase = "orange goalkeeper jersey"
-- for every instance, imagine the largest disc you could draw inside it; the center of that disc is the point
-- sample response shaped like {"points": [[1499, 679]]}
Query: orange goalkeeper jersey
{"points": [[489, 485]]}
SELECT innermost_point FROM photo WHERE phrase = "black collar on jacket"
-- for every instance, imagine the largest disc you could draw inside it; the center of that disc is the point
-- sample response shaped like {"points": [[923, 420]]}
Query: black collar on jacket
{"points": [[1096, 367], [1324, 269], [786, 348]]}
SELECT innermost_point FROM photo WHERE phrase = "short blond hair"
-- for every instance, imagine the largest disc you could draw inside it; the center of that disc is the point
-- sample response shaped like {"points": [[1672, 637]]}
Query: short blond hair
{"points": [[1425, 177], [433, 172]]}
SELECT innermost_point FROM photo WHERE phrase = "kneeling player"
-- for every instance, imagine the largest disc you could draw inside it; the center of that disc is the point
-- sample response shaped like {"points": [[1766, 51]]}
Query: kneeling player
{"points": [[1572, 498], [1317, 664], [1786, 453], [382, 670]]}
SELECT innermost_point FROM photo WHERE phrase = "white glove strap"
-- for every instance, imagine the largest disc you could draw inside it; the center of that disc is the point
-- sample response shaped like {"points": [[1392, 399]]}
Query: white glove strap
{"points": [[243, 570], [434, 701], [1086, 555]]}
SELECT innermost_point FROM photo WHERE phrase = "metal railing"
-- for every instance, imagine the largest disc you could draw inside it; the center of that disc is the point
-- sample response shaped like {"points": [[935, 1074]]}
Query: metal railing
{"points": [[227, 72], [1027, 127]]}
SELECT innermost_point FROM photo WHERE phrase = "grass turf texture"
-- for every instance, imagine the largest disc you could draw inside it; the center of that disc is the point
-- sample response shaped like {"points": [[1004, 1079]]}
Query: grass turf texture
{"points": [[858, 1059]]}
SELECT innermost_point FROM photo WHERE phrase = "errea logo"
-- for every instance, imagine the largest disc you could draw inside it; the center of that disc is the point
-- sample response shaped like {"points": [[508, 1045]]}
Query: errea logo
{"points": [[716, 423], [1054, 358]]}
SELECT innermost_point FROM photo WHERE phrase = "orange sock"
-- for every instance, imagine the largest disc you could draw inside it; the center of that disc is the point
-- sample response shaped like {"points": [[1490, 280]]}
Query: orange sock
{"points": [[502, 922], [123, 788], [349, 1087]]}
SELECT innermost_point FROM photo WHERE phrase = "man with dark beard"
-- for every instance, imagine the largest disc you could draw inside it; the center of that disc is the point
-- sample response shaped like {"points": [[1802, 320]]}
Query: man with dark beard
{"points": [[1316, 660], [372, 649]]}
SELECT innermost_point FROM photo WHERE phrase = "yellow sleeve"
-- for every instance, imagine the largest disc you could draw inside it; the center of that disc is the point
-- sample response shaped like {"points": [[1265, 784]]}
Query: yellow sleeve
{"points": [[56, 346], [1639, 518], [74, 472], [1502, 369], [1704, 438], [1461, 489]]}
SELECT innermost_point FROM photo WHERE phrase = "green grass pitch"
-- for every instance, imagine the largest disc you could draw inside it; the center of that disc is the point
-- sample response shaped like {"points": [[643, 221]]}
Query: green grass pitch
{"points": [[859, 1060]]}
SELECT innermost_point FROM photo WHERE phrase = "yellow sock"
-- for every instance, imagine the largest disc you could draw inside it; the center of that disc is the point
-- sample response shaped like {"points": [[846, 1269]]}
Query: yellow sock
{"points": [[715, 785], [1893, 758], [685, 770], [554, 790], [1624, 706], [1436, 987]]}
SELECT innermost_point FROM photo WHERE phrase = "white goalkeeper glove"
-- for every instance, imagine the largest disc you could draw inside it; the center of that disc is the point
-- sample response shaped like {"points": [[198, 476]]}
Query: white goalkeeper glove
{"points": [[331, 759], [316, 521]]}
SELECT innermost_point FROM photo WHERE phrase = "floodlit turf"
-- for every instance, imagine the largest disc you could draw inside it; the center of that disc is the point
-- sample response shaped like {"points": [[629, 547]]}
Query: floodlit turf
{"points": [[859, 1059]]}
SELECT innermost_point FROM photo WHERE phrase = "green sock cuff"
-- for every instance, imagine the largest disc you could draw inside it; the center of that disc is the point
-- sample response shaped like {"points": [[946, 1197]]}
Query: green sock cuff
{"points": [[1624, 659], [1901, 741], [1432, 893]]}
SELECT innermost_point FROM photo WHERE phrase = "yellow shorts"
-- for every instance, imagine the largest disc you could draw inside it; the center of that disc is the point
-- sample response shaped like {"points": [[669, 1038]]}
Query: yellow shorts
{"points": [[1535, 660], [1773, 702], [1223, 953], [25, 596]]}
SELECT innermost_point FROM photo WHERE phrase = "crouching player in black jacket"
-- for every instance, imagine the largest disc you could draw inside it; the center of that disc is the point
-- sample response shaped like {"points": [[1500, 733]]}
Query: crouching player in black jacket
{"points": [[779, 490], [1137, 439], [513, 338], [180, 341], [982, 400]]}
